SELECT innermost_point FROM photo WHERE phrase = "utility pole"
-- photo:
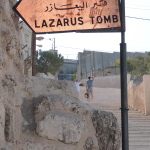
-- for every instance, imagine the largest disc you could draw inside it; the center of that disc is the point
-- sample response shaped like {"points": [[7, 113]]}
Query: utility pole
{"points": [[33, 48], [54, 44], [94, 64]]}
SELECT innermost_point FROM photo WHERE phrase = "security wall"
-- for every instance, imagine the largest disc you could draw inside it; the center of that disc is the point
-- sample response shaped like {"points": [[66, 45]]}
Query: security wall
{"points": [[91, 61]]}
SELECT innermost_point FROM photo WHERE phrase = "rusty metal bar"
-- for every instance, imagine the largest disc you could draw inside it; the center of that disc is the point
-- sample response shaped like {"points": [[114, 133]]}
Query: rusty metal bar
{"points": [[33, 47]]}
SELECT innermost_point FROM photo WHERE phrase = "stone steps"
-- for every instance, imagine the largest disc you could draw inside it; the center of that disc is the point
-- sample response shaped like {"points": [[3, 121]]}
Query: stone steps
{"points": [[132, 118], [139, 126], [139, 143], [139, 132], [139, 139], [139, 148], [147, 135], [133, 123]]}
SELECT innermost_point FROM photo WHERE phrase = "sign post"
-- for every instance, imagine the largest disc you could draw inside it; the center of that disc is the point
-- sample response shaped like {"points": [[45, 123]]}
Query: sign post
{"points": [[123, 67]]}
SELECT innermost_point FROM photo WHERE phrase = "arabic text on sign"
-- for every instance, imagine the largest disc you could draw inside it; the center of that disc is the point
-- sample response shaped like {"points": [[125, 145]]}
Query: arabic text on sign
{"points": [[50, 8]]}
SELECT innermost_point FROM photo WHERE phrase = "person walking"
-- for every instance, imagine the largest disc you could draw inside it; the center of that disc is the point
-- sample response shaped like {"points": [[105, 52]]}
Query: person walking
{"points": [[77, 85], [89, 88]]}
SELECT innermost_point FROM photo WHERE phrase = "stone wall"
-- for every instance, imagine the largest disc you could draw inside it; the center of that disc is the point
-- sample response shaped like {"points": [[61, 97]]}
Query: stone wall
{"points": [[11, 69], [146, 80], [139, 96], [39, 113], [136, 97]]}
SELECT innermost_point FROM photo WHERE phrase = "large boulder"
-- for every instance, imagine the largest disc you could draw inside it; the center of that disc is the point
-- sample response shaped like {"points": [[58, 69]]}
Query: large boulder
{"points": [[71, 124], [35, 86]]}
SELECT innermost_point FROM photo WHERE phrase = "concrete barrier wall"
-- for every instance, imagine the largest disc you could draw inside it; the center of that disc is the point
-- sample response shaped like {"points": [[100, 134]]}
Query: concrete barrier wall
{"points": [[106, 81], [139, 96]]}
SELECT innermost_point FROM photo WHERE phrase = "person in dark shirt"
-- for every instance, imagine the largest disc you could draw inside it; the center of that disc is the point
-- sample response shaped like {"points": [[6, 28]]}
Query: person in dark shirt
{"points": [[89, 88]]}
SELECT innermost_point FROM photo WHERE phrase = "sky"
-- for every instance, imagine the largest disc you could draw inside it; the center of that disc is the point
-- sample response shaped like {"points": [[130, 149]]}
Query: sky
{"points": [[137, 35]]}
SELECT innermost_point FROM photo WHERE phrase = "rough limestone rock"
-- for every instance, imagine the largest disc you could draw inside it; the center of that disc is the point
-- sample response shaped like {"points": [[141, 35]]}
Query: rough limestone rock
{"points": [[39, 146], [65, 120], [2, 123], [89, 143], [35, 86], [61, 127], [9, 133], [40, 113], [105, 125]]}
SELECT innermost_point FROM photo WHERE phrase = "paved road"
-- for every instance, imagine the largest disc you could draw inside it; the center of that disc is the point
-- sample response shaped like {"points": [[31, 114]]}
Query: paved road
{"points": [[108, 99]]}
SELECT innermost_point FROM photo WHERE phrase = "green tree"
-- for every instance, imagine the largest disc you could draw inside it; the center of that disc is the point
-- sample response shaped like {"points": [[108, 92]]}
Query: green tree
{"points": [[137, 66], [74, 76], [47, 61], [147, 61], [117, 63], [129, 64]]}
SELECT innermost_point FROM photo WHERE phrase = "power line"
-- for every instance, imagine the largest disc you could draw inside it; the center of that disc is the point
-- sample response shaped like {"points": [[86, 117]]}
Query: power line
{"points": [[84, 49], [100, 50], [70, 47], [138, 18], [137, 5], [137, 8]]}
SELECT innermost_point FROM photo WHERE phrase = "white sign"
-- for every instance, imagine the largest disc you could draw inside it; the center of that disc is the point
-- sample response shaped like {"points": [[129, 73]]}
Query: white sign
{"points": [[45, 16]]}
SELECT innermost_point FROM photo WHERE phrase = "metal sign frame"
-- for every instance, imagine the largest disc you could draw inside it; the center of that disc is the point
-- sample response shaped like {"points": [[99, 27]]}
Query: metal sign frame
{"points": [[113, 29]]}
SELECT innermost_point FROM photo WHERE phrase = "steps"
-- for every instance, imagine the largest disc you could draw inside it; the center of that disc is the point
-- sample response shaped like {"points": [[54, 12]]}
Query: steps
{"points": [[139, 125], [106, 99]]}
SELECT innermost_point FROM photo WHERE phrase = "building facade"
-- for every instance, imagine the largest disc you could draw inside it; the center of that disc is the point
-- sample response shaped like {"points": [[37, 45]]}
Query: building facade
{"points": [[26, 40], [68, 69]]}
